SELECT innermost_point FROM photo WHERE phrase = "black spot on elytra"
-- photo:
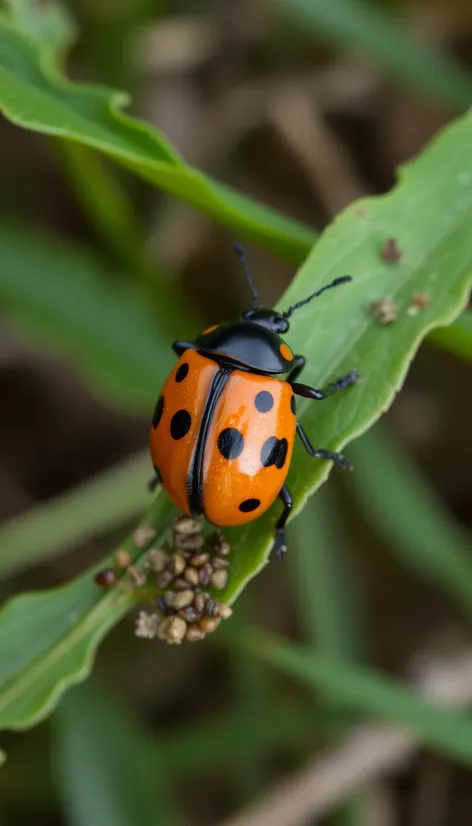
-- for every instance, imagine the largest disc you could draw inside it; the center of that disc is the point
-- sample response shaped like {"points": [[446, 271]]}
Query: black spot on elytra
{"points": [[180, 424], [181, 372], [157, 415], [249, 505], [230, 443], [274, 452], [264, 401], [293, 405]]}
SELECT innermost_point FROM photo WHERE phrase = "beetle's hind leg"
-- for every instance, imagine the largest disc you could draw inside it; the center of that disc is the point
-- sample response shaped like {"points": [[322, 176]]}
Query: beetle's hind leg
{"points": [[339, 458], [155, 481], [279, 545]]}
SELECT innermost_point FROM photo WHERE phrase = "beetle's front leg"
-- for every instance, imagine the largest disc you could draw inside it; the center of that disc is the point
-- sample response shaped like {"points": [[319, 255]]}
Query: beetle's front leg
{"points": [[312, 393]]}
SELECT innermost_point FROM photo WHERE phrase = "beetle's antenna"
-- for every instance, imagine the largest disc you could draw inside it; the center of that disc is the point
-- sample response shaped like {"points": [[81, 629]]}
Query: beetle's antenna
{"points": [[336, 283], [242, 257]]}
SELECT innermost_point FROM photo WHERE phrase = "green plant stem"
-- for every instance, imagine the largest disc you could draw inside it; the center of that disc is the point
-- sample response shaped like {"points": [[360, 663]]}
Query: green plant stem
{"points": [[109, 210]]}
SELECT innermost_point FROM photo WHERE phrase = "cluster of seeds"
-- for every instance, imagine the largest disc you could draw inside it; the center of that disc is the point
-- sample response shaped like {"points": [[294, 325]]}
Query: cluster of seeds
{"points": [[185, 610]]}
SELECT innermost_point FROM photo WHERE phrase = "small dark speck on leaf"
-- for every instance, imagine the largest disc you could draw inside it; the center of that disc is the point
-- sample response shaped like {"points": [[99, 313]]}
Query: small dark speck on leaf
{"points": [[390, 251]]}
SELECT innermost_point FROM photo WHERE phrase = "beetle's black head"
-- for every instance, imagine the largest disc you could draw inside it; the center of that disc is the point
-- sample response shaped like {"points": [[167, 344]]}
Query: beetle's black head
{"points": [[255, 341], [268, 319]]}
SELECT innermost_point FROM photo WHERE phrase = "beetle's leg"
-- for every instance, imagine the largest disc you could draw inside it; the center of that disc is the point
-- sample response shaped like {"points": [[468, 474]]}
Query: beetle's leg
{"points": [[322, 454], [180, 347], [155, 481], [312, 393], [298, 365], [280, 546]]}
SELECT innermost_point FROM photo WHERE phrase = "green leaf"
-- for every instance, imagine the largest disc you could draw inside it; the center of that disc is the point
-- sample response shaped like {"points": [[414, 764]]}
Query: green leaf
{"points": [[406, 511], [430, 214], [445, 730], [50, 24], [87, 511], [64, 296], [104, 764], [364, 26], [33, 96], [48, 639], [457, 338]]}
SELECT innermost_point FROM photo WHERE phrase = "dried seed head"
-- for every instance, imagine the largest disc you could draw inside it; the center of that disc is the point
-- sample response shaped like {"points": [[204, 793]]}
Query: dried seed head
{"points": [[385, 310], [177, 564], [182, 599], [189, 614], [200, 601], [205, 573], [219, 580], [143, 536], [197, 560], [164, 579], [106, 578], [194, 634], [123, 558], [191, 575], [146, 625], [157, 559], [219, 562], [136, 575], [208, 624]]}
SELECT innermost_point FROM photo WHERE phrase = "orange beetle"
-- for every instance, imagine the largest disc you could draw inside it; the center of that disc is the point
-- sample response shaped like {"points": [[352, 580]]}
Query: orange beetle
{"points": [[224, 424]]}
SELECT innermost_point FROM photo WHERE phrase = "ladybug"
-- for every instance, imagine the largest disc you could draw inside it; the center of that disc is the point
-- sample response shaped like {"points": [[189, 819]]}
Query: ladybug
{"points": [[225, 421]]}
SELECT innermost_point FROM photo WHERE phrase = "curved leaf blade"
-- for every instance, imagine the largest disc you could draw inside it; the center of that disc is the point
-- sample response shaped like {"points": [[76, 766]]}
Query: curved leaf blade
{"points": [[33, 96]]}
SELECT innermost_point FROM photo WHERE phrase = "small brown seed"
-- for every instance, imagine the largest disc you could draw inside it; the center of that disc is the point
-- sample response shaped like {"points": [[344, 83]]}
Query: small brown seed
{"points": [[180, 584], [189, 614], [224, 548], [225, 611], [187, 525], [194, 634], [143, 535], [219, 580], [198, 560], [212, 608], [208, 624], [123, 558], [177, 564], [157, 559], [164, 579], [172, 629], [190, 542], [176, 630], [169, 597], [106, 578], [200, 601], [191, 575], [136, 575], [219, 562], [146, 625], [182, 599], [205, 574]]}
